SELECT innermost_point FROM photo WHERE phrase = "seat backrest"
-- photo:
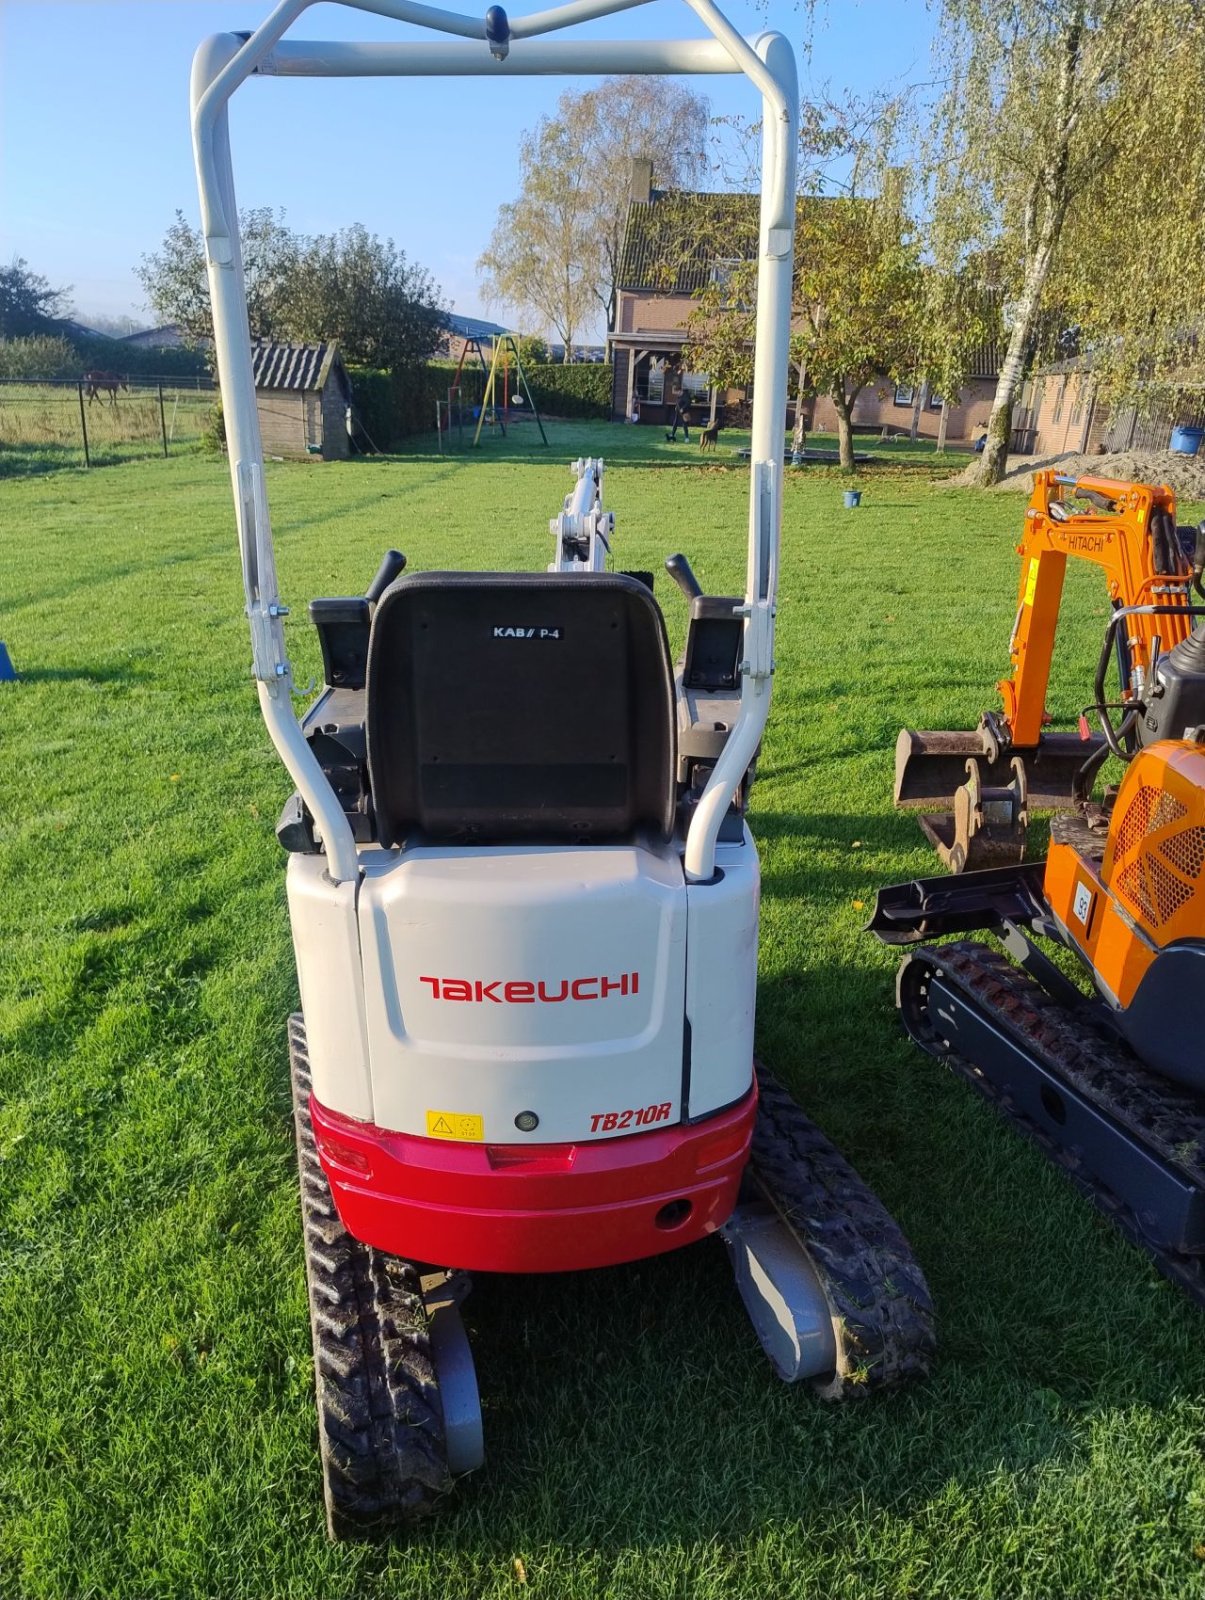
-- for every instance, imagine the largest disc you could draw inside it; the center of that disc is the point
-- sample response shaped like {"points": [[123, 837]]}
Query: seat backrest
{"points": [[533, 706]]}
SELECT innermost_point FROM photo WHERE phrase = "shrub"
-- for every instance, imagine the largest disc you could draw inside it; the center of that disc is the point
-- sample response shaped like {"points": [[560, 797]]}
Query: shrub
{"points": [[40, 355], [580, 390]]}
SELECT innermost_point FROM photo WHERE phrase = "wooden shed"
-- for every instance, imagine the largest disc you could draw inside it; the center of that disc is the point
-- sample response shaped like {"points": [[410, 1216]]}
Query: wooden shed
{"points": [[302, 392]]}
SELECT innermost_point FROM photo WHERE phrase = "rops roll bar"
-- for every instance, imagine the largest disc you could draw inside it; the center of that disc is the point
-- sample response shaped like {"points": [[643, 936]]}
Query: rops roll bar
{"points": [[496, 46]]}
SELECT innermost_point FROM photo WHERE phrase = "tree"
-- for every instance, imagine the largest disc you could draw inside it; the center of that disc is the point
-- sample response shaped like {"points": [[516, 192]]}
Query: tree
{"points": [[350, 286], [28, 305], [857, 294], [1130, 276], [555, 251], [177, 286], [859, 301], [1049, 103], [361, 290]]}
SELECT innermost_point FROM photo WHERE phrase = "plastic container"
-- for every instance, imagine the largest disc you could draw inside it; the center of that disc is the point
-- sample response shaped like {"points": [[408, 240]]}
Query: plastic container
{"points": [[1187, 441], [853, 497]]}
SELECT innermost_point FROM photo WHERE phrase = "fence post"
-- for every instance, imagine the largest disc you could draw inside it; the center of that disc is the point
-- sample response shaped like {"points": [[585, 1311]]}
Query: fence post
{"points": [[83, 422], [162, 421]]}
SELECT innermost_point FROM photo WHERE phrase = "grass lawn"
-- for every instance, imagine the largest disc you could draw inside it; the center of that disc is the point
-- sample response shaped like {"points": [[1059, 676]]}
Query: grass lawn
{"points": [[157, 1434]]}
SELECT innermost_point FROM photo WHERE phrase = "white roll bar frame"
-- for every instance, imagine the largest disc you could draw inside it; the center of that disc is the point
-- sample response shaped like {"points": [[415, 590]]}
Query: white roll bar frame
{"points": [[225, 61]]}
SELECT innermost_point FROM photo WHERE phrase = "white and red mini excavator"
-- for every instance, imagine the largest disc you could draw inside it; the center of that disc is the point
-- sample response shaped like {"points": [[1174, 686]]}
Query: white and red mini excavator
{"points": [[523, 894]]}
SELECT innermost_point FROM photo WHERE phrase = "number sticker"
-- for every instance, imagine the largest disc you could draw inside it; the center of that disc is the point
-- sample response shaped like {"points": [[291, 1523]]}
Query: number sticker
{"points": [[1082, 906]]}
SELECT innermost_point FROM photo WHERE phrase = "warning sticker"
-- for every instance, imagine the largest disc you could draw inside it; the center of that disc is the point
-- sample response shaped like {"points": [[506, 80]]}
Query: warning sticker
{"points": [[455, 1125], [1031, 583]]}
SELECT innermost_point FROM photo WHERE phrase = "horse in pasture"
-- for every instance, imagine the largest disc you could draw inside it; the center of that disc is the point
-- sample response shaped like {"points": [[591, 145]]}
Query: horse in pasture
{"points": [[98, 384]]}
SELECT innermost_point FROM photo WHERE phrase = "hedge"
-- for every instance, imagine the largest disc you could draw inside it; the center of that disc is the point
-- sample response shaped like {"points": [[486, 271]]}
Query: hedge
{"points": [[580, 390], [392, 405]]}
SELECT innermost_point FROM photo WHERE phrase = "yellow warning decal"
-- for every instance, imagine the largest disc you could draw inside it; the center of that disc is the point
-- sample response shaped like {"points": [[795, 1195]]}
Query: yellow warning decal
{"points": [[455, 1125], [1031, 583]]}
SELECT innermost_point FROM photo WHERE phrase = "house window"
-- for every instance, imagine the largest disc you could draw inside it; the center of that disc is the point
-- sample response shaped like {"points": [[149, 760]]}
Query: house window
{"points": [[723, 269], [1077, 407], [1057, 414], [936, 402], [904, 395], [656, 382]]}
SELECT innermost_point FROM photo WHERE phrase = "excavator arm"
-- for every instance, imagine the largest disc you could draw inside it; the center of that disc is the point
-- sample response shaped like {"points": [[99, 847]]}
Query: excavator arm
{"points": [[976, 787], [1131, 533]]}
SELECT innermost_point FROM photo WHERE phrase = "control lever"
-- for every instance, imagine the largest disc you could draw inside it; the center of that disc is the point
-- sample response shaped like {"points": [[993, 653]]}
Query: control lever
{"points": [[393, 564], [678, 568]]}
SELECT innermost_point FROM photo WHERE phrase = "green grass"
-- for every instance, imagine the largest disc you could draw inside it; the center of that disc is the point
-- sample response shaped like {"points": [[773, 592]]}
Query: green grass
{"points": [[157, 1434]]}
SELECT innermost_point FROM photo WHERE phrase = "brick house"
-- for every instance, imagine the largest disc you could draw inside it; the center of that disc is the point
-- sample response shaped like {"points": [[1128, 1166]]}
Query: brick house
{"points": [[462, 330], [302, 392], [891, 405], [652, 302]]}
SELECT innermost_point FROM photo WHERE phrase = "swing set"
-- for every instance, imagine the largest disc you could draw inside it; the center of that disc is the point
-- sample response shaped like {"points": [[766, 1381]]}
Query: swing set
{"points": [[452, 409]]}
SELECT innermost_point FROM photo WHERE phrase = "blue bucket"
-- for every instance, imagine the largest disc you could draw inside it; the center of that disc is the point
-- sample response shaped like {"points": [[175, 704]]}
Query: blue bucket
{"points": [[853, 497], [1187, 441]]}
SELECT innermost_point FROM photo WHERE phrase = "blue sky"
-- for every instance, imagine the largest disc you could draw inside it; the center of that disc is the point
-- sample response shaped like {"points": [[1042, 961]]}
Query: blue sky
{"points": [[94, 146]]}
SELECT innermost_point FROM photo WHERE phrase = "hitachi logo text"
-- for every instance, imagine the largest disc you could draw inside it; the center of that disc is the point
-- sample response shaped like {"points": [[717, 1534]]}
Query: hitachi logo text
{"points": [[525, 992]]}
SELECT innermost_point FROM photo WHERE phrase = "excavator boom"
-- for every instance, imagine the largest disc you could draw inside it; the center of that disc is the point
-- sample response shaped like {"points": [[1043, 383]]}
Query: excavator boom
{"points": [[975, 787]]}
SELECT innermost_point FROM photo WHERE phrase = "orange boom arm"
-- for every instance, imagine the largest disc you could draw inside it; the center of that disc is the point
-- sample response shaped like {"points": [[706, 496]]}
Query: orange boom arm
{"points": [[1131, 533]]}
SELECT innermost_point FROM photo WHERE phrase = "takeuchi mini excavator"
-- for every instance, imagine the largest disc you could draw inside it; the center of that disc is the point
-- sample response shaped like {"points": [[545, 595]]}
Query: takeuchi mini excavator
{"points": [[1111, 1082], [522, 887]]}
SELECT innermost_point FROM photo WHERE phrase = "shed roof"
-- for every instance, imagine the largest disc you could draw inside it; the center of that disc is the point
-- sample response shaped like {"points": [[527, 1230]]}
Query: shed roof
{"points": [[292, 366]]}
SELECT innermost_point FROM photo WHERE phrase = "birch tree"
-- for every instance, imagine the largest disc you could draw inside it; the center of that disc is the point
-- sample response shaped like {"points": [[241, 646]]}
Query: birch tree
{"points": [[1045, 104], [554, 253]]}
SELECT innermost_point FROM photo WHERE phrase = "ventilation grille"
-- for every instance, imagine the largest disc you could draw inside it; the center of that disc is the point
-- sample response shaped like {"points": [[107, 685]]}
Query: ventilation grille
{"points": [[1131, 886], [1149, 809], [1185, 851], [1160, 879]]}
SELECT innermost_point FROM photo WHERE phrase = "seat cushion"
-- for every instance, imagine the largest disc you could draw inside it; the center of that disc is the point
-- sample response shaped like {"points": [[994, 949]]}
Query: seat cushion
{"points": [[507, 706]]}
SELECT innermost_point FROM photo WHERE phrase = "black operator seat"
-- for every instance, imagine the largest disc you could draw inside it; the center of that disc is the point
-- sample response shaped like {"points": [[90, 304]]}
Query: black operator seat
{"points": [[520, 707]]}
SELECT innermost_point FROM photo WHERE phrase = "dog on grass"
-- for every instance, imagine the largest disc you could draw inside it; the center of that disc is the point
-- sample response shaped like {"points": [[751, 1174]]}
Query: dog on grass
{"points": [[708, 436]]}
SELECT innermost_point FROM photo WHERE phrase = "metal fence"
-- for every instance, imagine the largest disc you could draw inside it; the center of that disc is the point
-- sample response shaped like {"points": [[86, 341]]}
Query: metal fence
{"points": [[69, 422], [1129, 428]]}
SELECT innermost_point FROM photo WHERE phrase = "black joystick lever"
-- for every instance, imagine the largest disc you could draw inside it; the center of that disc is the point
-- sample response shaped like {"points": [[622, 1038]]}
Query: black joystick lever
{"points": [[393, 564], [678, 568]]}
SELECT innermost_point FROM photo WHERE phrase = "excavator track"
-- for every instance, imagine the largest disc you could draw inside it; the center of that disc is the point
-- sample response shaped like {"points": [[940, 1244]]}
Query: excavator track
{"points": [[882, 1312], [1144, 1118], [380, 1420]]}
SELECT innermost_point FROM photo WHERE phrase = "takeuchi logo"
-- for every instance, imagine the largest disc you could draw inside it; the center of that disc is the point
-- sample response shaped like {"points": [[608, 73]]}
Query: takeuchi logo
{"points": [[529, 992]]}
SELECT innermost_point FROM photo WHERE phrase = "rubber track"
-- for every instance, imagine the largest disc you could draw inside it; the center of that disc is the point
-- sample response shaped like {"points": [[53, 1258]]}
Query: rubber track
{"points": [[882, 1311], [1160, 1116], [380, 1423]]}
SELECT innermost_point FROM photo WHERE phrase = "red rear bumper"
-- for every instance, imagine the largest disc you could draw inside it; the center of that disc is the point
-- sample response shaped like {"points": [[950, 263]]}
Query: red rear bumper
{"points": [[534, 1208]]}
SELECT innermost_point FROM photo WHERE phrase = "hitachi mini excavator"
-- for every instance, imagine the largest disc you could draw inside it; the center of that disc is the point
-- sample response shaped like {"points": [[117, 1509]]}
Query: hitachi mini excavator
{"points": [[1110, 1083], [523, 893]]}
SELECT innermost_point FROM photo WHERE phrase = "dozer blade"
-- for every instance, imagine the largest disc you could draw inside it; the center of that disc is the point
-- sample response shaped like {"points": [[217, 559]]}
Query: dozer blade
{"points": [[930, 766], [926, 908]]}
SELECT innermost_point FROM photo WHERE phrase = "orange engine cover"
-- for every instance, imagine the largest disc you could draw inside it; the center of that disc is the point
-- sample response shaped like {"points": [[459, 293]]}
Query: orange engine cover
{"points": [[1148, 892]]}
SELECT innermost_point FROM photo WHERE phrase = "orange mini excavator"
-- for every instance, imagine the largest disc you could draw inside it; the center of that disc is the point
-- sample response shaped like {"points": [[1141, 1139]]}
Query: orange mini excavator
{"points": [[975, 789], [1107, 1076]]}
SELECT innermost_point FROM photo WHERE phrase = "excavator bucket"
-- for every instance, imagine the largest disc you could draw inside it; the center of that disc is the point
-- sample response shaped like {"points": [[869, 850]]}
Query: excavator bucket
{"points": [[930, 767], [986, 824]]}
